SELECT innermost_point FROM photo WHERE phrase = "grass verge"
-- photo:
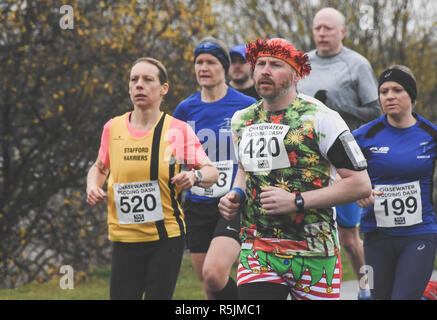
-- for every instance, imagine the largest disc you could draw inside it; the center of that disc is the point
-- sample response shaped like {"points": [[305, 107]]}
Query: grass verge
{"points": [[96, 285]]}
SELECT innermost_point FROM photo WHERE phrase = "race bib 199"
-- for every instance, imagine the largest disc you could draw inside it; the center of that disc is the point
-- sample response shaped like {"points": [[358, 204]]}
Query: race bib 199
{"points": [[262, 147], [138, 202], [223, 184], [400, 205]]}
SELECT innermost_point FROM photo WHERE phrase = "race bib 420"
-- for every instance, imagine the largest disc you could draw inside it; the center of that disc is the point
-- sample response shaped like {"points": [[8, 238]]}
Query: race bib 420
{"points": [[262, 147], [138, 202]]}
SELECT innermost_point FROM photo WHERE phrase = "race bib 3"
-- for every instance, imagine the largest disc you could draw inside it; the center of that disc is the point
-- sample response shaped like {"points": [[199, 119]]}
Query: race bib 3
{"points": [[223, 184]]}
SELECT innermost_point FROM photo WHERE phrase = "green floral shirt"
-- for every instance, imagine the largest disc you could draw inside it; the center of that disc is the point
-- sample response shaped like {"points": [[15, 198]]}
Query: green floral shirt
{"points": [[308, 131]]}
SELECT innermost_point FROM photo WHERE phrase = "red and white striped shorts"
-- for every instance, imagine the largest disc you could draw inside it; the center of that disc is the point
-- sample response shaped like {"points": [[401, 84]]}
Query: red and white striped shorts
{"points": [[309, 278]]}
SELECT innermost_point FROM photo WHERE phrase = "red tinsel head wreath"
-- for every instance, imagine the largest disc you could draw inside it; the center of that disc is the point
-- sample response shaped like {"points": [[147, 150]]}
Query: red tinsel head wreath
{"points": [[281, 49]]}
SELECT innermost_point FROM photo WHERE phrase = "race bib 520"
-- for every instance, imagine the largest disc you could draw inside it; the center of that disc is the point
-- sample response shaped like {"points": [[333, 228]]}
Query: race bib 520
{"points": [[138, 202]]}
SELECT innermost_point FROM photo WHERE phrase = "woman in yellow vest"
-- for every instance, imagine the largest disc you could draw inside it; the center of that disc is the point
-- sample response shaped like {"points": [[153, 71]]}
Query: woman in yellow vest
{"points": [[142, 152]]}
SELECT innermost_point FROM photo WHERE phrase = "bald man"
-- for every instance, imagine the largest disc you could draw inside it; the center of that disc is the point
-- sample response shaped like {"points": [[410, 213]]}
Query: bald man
{"points": [[340, 77], [343, 80]]}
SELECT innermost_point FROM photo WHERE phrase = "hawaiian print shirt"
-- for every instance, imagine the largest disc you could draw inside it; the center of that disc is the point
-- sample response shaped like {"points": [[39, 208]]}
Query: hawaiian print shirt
{"points": [[287, 149]]}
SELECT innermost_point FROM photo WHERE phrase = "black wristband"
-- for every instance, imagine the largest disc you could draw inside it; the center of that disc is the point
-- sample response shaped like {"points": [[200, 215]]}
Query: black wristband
{"points": [[299, 202]]}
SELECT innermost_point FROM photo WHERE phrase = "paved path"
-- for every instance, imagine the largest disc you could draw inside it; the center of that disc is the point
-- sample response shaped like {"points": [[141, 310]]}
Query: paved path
{"points": [[349, 289]]}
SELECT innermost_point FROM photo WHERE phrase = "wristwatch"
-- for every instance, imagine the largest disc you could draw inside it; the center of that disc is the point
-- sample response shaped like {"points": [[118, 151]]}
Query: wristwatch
{"points": [[299, 202], [199, 177]]}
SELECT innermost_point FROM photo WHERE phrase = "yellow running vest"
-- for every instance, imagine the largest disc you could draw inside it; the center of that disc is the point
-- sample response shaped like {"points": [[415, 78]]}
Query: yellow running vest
{"points": [[142, 202]]}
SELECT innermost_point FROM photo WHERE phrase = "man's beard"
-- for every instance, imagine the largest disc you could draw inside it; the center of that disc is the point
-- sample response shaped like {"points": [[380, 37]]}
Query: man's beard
{"points": [[242, 80], [278, 90]]}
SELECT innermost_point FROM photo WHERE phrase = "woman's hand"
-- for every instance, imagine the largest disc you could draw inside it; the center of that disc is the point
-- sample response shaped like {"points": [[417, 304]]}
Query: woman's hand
{"points": [[229, 205], [95, 195], [369, 201], [184, 179]]}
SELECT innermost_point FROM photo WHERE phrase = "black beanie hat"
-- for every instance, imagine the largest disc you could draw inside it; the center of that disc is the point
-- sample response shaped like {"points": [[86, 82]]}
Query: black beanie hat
{"points": [[401, 77]]}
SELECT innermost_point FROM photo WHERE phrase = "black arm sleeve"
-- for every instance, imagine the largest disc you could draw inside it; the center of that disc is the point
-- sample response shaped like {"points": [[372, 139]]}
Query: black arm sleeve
{"points": [[345, 153]]}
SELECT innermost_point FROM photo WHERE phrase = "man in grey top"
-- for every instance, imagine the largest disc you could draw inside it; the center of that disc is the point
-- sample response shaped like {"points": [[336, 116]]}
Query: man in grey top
{"points": [[343, 80], [340, 75]]}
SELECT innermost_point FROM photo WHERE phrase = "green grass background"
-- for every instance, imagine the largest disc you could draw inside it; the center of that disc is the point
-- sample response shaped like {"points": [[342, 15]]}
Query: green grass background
{"points": [[96, 285]]}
